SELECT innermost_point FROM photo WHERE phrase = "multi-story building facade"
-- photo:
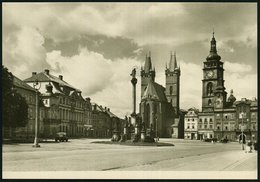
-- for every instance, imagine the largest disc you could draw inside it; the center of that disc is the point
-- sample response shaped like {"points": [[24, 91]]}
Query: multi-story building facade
{"points": [[29, 93], [66, 110], [223, 117], [191, 124], [104, 122], [64, 105]]}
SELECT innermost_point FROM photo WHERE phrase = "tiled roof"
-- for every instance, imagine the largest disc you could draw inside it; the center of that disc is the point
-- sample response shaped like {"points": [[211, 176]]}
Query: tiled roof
{"points": [[19, 83], [111, 114], [154, 91], [43, 77]]}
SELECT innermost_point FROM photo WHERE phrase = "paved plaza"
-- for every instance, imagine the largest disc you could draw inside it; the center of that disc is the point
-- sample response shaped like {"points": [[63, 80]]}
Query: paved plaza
{"points": [[82, 155]]}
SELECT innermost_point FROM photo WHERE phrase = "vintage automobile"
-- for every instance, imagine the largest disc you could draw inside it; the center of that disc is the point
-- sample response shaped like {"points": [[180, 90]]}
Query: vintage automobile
{"points": [[224, 140], [61, 137], [210, 139]]}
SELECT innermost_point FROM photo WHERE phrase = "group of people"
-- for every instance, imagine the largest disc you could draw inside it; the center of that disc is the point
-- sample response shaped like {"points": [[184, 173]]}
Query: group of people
{"points": [[250, 145]]}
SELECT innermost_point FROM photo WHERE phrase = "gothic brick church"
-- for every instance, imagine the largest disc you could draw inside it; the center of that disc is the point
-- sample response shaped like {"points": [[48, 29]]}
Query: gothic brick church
{"points": [[159, 107]]}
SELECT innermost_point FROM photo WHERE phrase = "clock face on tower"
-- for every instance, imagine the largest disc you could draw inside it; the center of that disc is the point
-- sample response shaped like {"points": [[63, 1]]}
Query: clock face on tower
{"points": [[209, 74]]}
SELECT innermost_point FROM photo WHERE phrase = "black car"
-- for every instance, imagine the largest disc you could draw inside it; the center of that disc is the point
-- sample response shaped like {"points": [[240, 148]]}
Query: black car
{"points": [[210, 140], [225, 140], [61, 136]]}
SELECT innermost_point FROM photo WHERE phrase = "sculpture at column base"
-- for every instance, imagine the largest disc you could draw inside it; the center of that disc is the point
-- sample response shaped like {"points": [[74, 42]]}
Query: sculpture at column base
{"points": [[123, 138], [115, 137], [136, 138], [149, 137]]}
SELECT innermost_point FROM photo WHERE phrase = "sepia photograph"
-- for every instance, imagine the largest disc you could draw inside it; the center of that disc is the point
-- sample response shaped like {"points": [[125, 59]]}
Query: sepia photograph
{"points": [[130, 90]]}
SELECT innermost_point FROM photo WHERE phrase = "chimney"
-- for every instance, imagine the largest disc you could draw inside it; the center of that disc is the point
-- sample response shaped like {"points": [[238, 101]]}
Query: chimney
{"points": [[60, 77], [87, 99], [34, 73], [47, 71], [108, 109], [105, 108]]}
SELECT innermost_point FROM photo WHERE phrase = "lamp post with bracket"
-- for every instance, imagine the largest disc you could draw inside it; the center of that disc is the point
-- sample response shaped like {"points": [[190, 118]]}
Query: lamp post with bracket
{"points": [[37, 86]]}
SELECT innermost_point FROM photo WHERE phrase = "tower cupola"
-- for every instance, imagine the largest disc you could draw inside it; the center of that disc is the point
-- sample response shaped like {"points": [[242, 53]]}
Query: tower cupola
{"points": [[213, 55], [231, 98]]}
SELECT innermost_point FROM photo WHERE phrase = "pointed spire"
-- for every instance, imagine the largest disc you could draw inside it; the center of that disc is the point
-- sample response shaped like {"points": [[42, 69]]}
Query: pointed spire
{"points": [[148, 63], [213, 55], [213, 47], [173, 62]]}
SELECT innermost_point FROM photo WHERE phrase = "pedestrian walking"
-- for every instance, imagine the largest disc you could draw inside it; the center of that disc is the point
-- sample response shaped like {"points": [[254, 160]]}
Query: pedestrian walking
{"points": [[249, 147]]}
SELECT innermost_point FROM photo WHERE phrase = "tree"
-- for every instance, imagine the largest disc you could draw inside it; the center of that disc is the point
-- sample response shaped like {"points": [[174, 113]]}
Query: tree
{"points": [[14, 106]]}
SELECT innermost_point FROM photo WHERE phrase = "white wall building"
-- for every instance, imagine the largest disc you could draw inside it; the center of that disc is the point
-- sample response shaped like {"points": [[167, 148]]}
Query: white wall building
{"points": [[191, 124]]}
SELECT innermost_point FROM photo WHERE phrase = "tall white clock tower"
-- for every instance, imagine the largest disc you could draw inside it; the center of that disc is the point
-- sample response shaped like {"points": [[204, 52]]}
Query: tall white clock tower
{"points": [[213, 90]]}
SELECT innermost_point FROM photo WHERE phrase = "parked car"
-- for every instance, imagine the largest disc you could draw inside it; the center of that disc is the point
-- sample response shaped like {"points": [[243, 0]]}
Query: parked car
{"points": [[61, 137], [225, 140], [210, 139]]}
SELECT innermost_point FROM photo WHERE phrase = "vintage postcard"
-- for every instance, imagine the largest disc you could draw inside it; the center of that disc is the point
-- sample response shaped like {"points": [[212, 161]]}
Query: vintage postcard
{"points": [[129, 90]]}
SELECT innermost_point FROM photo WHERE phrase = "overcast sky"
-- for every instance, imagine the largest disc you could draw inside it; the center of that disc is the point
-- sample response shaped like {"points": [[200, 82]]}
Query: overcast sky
{"points": [[96, 45]]}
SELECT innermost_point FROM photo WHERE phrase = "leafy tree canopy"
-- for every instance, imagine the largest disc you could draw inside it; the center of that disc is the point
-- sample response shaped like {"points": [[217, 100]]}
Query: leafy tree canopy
{"points": [[14, 106]]}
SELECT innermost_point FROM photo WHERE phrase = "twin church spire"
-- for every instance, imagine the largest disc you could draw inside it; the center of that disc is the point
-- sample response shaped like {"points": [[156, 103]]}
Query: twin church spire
{"points": [[173, 63]]}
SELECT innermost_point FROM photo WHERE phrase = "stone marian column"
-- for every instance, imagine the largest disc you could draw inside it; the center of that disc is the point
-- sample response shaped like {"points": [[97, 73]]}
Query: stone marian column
{"points": [[134, 82]]}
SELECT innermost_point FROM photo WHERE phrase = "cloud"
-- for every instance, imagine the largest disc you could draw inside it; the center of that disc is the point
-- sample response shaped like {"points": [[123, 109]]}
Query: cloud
{"points": [[243, 86], [110, 47], [23, 49], [146, 23], [106, 82], [95, 45], [237, 67]]}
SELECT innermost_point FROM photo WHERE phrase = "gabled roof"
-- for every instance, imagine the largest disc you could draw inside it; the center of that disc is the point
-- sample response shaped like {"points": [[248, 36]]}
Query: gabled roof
{"points": [[111, 114], [44, 77], [154, 91], [19, 83]]}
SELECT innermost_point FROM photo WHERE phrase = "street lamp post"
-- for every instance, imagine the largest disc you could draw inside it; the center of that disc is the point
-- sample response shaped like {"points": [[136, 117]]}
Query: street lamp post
{"points": [[242, 129], [156, 129], [36, 86]]}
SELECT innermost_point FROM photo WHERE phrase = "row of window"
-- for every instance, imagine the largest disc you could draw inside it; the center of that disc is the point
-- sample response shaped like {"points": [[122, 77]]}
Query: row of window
{"points": [[206, 126], [191, 119], [206, 120], [67, 101], [67, 129], [66, 114], [193, 127]]}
